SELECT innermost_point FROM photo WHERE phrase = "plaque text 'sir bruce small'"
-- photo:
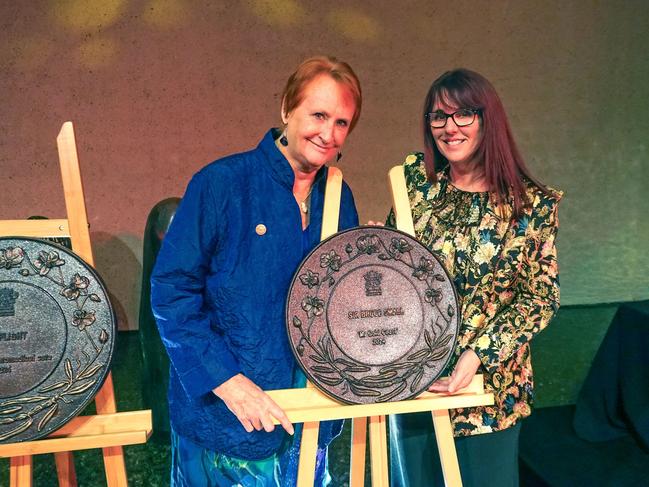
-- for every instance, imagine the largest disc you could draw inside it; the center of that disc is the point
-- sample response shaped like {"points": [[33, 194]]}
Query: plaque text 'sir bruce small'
{"points": [[375, 313]]}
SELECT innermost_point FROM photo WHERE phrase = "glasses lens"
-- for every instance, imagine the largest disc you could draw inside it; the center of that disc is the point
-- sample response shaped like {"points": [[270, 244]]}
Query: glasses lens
{"points": [[464, 117], [437, 119]]}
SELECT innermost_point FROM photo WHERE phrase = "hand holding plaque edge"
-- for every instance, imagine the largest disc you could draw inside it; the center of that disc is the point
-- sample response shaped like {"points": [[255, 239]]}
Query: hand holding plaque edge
{"points": [[251, 405], [466, 367]]}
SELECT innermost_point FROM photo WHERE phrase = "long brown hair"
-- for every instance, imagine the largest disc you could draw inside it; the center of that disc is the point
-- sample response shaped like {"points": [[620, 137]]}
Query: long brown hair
{"points": [[504, 168]]}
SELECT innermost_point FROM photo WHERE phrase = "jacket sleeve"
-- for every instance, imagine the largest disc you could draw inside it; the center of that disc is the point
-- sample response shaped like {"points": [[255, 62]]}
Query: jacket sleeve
{"points": [[536, 297], [198, 353]]}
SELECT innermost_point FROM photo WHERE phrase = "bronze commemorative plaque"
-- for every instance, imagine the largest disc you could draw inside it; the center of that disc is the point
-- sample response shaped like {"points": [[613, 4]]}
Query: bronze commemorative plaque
{"points": [[372, 316], [57, 335]]}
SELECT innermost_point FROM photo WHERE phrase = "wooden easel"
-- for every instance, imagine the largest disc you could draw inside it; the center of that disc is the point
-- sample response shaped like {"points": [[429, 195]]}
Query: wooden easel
{"points": [[108, 429], [311, 406]]}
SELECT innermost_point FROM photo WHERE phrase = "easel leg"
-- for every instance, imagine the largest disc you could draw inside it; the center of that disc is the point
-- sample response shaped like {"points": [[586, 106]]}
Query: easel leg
{"points": [[80, 236], [115, 467], [357, 460], [379, 451], [65, 469], [20, 471], [446, 447], [308, 452], [114, 455]]}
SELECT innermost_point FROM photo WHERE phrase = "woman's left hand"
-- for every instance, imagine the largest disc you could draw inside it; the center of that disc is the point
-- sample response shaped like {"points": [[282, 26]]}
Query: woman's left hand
{"points": [[465, 369]]}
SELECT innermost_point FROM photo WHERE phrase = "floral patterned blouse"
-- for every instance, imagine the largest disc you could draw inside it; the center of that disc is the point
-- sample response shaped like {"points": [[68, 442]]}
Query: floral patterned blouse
{"points": [[506, 276]]}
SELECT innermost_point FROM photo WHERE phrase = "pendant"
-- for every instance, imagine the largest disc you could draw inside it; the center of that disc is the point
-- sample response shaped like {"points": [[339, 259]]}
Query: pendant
{"points": [[304, 207]]}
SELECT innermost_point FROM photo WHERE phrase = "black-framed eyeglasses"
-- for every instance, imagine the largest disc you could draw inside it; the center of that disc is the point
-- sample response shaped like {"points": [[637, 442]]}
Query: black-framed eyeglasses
{"points": [[461, 117]]}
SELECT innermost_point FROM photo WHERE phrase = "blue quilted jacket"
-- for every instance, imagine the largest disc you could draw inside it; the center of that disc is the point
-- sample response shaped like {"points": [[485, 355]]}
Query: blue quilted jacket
{"points": [[219, 287]]}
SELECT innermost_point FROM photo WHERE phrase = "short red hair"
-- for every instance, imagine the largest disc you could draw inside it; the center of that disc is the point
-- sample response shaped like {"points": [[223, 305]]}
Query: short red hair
{"points": [[313, 67]]}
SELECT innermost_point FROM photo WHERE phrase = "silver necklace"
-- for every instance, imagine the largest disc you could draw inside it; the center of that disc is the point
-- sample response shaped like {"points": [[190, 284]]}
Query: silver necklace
{"points": [[303, 206]]}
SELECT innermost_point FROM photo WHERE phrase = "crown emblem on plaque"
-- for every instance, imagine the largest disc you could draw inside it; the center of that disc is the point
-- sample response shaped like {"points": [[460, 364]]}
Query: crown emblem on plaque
{"points": [[373, 283], [7, 302]]}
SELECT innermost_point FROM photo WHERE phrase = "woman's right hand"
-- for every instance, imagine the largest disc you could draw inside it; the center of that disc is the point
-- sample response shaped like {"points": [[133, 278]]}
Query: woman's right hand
{"points": [[251, 405], [466, 368], [375, 224]]}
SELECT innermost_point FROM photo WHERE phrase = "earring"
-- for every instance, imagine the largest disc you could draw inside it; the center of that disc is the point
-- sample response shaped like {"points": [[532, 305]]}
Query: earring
{"points": [[339, 156], [283, 140]]}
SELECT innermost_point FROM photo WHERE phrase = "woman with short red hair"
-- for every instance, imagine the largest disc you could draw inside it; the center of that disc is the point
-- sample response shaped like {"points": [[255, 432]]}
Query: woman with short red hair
{"points": [[476, 205], [221, 279]]}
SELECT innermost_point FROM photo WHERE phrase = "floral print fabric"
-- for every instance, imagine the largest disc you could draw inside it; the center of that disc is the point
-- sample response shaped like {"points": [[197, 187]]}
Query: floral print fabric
{"points": [[506, 275]]}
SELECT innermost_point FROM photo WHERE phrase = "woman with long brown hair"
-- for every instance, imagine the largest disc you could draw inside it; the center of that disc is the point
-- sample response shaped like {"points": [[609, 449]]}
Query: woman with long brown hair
{"points": [[493, 225]]}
